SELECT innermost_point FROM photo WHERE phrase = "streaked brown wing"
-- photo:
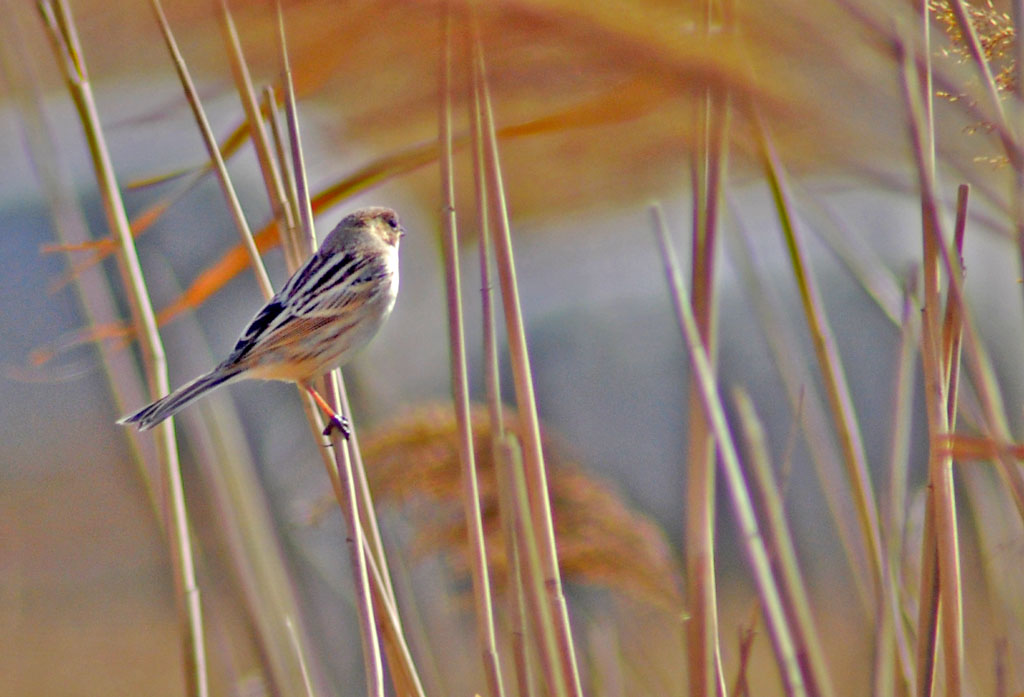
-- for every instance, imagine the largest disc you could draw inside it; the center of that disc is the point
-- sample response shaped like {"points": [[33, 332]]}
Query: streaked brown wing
{"points": [[293, 332], [297, 330]]}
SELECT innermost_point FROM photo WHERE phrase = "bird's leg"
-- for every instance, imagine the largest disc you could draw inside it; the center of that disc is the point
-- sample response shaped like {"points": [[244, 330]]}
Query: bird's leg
{"points": [[334, 419]]}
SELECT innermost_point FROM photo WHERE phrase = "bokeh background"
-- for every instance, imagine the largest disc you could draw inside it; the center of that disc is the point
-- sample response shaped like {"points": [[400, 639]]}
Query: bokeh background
{"points": [[596, 106]]}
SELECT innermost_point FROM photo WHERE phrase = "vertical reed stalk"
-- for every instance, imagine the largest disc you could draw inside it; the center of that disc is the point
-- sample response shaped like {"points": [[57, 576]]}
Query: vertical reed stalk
{"points": [[941, 509], [780, 543], [703, 651], [213, 150], [516, 599], [753, 544], [65, 40], [806, 405], [830, 364], [885, 679], [541, 631], [343, 479], [459, 378], [529, 426], [272, 182]]}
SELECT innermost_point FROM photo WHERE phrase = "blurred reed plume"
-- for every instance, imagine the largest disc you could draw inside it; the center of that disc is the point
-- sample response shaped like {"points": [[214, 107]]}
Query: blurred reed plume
{"points": [[598, 103], [412, 461]]}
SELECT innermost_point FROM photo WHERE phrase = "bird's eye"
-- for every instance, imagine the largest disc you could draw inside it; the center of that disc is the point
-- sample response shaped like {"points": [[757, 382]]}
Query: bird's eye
{"points": [[393, 223]]}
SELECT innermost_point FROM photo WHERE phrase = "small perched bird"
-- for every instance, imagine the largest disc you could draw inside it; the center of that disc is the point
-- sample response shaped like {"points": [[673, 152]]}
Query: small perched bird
{"points": [[329, 309]]}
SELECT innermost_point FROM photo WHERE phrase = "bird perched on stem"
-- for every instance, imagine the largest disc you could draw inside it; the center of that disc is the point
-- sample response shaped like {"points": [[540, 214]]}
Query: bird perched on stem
{"points": [[330, 308]]}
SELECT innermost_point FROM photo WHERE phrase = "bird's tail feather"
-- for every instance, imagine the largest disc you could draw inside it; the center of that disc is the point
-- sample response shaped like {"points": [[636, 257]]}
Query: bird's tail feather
{"points": [[149, 416]]}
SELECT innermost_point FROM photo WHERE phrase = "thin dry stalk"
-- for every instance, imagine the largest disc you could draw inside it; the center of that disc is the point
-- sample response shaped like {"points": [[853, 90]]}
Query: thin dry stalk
{"points": [[780, 542], [289, 667], [301, 203], [459, 378], [371, 655], [895, 515], [517, 603], [342, 479], [952, 323], [516, 599], [293, 636], [269, 169], [533, 458], [213, 150], [269, 107], [840, 401], [830, 364], [298, 190], [753, 544], [941, 505], [72, 229], [348, 475], [540, 632], [703, 649], [807, 405], [244, 522], [1017, 115], [65, 40]]}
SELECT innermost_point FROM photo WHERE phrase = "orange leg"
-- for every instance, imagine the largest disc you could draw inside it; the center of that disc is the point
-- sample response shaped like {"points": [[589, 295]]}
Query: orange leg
{"points": [[334, 420]]}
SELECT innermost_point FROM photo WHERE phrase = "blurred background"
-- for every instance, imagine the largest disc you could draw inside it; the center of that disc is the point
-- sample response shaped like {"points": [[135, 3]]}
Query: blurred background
{"points": [[597, 110]]}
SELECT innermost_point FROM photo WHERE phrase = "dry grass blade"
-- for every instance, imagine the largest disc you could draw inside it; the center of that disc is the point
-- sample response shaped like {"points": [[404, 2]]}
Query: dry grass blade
{"points": [[63, 35], [753, 544], [213, 150], [515, 590], [941, 508], [341, 475], [840, 401], [808, 406], [703, 650], [830, 365], [780, 542], [533, 458], [897, 500], [540, 634], [459, 377], [282, 212]]}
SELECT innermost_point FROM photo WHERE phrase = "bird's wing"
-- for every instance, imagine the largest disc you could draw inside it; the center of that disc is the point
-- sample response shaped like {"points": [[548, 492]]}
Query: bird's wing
{"points": [[277, 327], [259, 324]]}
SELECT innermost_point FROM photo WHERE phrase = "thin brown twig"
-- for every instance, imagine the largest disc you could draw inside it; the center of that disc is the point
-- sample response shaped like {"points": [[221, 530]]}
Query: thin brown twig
{"points": [[830, 365]]}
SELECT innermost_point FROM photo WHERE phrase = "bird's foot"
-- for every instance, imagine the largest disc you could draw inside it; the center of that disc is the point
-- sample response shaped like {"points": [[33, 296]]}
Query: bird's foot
{"points": [[339, 423]]}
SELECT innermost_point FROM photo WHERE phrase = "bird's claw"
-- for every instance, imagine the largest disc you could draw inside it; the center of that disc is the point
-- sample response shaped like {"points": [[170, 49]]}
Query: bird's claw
{"points": [[340, 423]]}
